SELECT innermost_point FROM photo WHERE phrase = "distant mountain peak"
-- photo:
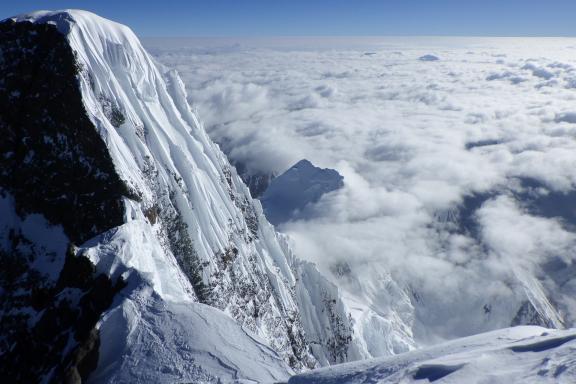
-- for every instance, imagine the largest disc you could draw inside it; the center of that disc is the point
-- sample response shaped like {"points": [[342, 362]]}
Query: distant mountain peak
{"points": [[303, 163], [301, 185]]}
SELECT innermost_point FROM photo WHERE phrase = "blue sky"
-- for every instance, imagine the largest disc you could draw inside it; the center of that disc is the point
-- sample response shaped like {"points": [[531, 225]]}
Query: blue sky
{"points": [[326, 17]]}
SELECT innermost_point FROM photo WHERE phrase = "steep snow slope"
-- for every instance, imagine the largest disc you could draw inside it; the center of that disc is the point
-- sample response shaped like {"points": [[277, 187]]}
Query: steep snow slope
{"points": [[155, 332], [525, 354], [191, 234]]}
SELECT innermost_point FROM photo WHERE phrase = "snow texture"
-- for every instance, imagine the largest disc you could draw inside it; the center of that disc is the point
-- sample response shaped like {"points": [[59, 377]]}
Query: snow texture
{"points": [[513, 355], [193, 236], [422, 255]]}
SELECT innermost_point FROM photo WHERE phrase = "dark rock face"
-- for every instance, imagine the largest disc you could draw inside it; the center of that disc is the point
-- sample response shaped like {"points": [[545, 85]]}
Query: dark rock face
{"points": [[53, 161], [428, 58], [57, 338], [52, 158]]}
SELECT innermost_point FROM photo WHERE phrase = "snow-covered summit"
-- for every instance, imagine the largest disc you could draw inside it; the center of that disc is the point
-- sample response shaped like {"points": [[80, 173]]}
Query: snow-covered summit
{"points": [[302, 184], [197, 283], [64, 20]]}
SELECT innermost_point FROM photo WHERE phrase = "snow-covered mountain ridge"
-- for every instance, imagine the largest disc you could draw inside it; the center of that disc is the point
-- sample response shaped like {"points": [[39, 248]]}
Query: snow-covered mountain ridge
{"points": [[131, 251], [526, 354], [103, 153]]}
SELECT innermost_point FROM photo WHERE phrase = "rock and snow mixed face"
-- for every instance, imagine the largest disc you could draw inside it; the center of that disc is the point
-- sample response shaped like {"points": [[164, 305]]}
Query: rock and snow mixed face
{"points": [[208, 291], [457, 215], [189, 280]]}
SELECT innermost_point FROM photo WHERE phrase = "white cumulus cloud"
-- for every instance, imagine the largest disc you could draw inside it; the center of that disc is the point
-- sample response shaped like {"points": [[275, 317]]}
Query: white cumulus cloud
{"points": [[435, 157]]}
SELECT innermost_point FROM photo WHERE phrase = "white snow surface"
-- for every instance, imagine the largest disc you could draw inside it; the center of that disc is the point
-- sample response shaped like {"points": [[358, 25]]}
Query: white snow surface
{"points": [[152, 340], [156, 331], [525, 354]]}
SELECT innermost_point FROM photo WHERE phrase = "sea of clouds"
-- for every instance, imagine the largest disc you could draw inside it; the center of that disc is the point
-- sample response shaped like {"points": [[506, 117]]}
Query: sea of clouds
{"points": [[459, 172]]}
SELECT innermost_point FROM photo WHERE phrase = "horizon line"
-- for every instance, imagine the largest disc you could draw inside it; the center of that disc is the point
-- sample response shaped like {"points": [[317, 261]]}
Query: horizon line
{"points": [[351, 36]]}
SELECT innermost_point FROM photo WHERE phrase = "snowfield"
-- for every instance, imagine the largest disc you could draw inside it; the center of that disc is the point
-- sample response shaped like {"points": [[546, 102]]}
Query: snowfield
{"points": [[514, 355], [152, 340]]}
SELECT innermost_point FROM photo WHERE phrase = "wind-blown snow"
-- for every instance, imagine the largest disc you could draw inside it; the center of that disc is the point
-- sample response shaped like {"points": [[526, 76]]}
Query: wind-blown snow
{"points": [[192, 234], [151, 334], [513, 355]]}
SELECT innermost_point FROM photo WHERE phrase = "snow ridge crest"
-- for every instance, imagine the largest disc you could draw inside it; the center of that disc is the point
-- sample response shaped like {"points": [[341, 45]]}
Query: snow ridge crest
{"points": [[192, 234]]}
